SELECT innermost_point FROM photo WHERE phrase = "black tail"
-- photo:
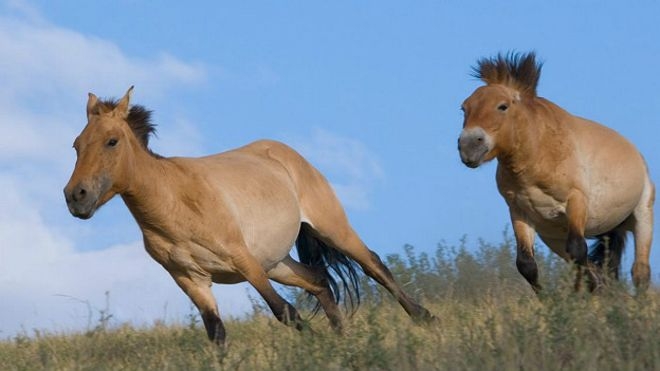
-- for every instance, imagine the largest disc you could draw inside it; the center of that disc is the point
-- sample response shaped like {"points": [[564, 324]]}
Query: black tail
{"points": [[314, 252], [608, 248]]}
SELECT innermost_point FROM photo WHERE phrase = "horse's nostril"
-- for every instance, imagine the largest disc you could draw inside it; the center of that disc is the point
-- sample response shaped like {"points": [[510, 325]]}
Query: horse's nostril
{"points": [[78, 193]]}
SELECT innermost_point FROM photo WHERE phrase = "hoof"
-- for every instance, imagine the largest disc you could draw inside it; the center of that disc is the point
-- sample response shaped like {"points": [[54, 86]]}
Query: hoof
{"points": [[424, 317]]}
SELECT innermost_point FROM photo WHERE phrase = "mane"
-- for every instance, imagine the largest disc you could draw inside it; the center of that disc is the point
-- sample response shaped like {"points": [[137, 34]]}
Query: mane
{"points": [[515, 70], [139, 120]]}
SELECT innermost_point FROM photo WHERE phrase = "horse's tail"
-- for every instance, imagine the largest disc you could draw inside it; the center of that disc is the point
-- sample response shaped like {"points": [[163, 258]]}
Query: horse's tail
{"points": [[608, 248], [340, 271]]}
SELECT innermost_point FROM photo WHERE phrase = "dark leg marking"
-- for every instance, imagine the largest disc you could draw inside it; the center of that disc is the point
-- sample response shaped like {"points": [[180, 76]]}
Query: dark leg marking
{"points": [[527, 267], [214, 328], [288, 315], [576, 247]]}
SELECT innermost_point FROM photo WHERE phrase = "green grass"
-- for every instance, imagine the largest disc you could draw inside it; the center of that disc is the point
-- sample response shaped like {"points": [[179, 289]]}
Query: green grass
{"points": [[489, 319]]}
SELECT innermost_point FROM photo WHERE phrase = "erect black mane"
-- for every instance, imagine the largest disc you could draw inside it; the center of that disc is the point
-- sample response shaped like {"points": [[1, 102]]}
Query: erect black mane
{"points": [[520, 71]]}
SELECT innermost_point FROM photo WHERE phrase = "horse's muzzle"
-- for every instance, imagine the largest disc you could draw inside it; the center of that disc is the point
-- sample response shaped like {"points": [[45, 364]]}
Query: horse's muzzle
{"points": [[80, 201], [473, 145]]}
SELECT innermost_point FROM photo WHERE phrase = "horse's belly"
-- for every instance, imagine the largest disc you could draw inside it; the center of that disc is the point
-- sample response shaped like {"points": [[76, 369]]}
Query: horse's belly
{"points": [[270, 227], [271, 240], [264, 207], [548, 215]]}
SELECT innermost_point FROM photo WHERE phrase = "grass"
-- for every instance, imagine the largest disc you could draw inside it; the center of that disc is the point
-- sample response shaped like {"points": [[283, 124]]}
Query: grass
{"points": [[488, 320]]}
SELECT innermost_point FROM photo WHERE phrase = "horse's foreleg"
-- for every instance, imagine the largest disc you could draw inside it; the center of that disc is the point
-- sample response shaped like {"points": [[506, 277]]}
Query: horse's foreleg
{"points": [[250, 268], [199, 291], [576, 213], [525, 262]]}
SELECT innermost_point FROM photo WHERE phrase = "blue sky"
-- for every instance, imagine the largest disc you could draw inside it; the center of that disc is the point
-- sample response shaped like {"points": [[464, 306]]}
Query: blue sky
{"points": [[368, 91]]}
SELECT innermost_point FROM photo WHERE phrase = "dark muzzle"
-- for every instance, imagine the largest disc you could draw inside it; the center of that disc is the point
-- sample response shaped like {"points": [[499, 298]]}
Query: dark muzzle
{"points": [[473, 146], [80, 200]]}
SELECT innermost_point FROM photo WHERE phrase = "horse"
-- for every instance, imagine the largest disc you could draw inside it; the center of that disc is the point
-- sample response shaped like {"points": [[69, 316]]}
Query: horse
{"points": [[563, 177], [226, 218]]}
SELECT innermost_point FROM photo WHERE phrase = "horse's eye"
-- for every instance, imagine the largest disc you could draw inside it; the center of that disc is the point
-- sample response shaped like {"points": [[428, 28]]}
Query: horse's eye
{"points": [[503, 107], [112, 142]]}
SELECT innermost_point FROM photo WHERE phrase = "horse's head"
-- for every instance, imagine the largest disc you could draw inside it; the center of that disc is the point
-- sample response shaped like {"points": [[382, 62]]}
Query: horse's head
{"points": [[491, 112], [103, 151], [488, 114]]}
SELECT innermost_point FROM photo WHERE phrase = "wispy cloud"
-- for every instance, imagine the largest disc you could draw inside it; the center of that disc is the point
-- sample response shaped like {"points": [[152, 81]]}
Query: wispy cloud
{"points": [[348, 164], [45, 60], [46, 72]]}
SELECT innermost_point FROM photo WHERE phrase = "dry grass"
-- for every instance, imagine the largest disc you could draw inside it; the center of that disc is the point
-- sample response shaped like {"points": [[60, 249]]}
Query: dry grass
{"points": [[489, 320]]}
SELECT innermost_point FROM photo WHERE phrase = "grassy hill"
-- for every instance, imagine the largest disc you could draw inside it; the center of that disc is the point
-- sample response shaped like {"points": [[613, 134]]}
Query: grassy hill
{"points": [[489, 319]]}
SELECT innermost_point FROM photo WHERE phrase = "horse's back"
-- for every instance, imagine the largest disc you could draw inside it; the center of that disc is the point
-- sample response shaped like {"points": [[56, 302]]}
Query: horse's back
{"points": [[264, 163]]}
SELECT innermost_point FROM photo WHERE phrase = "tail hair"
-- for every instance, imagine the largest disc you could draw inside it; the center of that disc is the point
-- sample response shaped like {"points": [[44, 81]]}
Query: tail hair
{"points": [[340, 271], [608, 249]]}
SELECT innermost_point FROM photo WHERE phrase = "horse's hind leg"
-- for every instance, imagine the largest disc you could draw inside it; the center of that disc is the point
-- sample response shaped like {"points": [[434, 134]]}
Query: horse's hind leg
{"points": [[200, 293], [341, 236], [290, 272], [643, 232]]}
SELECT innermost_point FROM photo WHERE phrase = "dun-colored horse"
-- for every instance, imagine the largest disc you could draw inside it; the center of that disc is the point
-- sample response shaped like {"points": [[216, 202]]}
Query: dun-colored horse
{"points": [[225, 218], [563, 177]]}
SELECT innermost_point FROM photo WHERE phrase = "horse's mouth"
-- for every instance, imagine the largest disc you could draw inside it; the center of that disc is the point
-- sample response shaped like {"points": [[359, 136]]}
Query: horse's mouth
{"points": [[83, 216], [473, 161], [83, 212], [472, 164]]}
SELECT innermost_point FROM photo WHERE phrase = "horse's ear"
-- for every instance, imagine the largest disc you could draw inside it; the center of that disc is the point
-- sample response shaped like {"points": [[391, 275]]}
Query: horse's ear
{"points": [[91, 103], [122, 107]]}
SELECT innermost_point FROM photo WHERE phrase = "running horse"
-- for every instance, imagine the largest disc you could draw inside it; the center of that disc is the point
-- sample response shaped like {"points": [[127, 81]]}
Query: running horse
{"points": [[226, 218], [562, 176]]}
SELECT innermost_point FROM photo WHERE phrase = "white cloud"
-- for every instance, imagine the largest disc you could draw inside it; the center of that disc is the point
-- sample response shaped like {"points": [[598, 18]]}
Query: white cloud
{"points": [[347, 163], [46, 280], [46, 60], [46, 72]]}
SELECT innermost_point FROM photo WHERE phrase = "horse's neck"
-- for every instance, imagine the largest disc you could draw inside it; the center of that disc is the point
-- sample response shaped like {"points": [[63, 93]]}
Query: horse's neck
{"points": [[148, 193]]}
